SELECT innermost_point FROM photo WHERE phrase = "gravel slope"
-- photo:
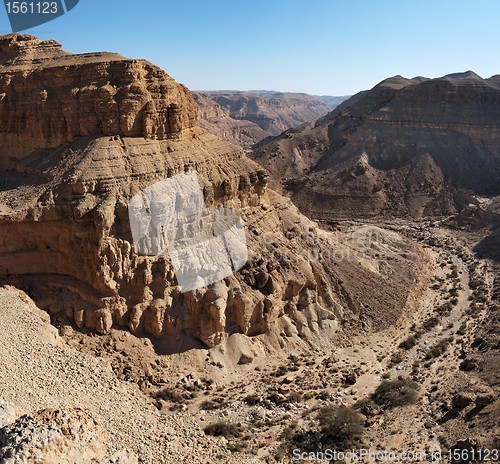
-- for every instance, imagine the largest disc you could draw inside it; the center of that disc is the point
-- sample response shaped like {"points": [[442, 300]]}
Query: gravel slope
{"points": [[38, 371]]}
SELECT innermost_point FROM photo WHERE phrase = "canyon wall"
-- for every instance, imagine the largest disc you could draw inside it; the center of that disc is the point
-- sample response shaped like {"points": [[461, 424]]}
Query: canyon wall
{"points": [[107, 128], [419, 146]]}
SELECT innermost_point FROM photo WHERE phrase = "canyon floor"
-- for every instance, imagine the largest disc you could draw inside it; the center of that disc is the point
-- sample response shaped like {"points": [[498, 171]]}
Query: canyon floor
{"points": [[156, 408]]}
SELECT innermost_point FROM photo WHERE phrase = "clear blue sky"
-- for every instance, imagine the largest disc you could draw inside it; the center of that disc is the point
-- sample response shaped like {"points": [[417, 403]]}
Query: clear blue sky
{"points": [[332, 47]]}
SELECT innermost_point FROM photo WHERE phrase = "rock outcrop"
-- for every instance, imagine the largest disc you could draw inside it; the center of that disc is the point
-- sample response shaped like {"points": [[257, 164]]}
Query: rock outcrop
{"points": [[49, 97], [417, 146], [65, 236], [62, 436], [216, 121]]}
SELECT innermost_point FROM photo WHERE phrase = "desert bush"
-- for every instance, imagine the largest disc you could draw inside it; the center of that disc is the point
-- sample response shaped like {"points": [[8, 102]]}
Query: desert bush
{"points": [[222, 429], [337, 428], [210, 405], [396, 358], [430, 323], [366, 406], [252, 400], [453, 291], [439, 348], [394, 393], [341, 426], [444, 309], [408, 343], [169, 394]]}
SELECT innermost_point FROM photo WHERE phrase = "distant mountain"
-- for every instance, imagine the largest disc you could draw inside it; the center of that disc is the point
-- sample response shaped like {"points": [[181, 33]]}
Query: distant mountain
{"points": [[333, 102], [408, 146], [247, 117]]}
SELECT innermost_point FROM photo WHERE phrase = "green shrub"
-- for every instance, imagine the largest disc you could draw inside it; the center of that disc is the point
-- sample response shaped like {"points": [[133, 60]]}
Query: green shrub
{"points": [[394, 393]]}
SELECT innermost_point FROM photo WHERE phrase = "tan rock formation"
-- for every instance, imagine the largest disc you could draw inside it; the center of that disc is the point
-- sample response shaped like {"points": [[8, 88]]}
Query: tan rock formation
{"points": [[49, 97], [246, 118], [408, 146], [62, 436], [64, 229]]}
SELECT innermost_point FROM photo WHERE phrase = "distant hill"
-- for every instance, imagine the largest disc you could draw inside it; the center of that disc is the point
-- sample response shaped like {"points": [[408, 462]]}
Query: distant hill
{"points": [[417, 146], [247, 117], [333, 102]]}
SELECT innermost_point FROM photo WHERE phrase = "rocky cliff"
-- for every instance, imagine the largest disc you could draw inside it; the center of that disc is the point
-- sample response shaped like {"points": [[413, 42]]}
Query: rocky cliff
{"points": [[49, 97], [106, 128], [408, 146]]}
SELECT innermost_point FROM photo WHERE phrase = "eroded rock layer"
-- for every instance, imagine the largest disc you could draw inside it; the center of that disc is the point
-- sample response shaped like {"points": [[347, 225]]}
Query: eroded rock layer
{"points": [[49, 97], [408, 146], [65, 235]]}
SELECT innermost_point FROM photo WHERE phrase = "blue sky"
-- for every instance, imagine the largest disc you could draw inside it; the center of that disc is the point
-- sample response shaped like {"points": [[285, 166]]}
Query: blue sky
{"points": [[323, 47]]}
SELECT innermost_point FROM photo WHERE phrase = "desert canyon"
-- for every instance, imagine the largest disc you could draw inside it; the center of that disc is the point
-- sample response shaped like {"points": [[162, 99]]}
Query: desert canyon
{"points": [[370, 298]]}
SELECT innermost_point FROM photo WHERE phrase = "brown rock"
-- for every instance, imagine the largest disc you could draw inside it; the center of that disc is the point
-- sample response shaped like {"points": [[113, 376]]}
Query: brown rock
{"points": [[96, 94], [245, 359], [462, 400], [124, 126], [408, 146]]}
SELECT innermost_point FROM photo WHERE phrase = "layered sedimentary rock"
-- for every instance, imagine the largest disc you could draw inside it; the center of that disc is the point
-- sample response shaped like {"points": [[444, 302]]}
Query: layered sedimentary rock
{"points": [[408, 146], [246, 118], [49, 97], [65, 235], [214, 120]]}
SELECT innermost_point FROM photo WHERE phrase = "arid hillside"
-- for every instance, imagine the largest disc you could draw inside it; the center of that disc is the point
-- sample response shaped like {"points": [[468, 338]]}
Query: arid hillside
{"points": [[246, 118], [408, 147]]}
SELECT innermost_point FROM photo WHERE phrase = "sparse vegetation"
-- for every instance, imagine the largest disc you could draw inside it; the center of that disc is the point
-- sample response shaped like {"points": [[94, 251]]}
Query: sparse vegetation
{"points": [[252, 400], [366, 406], [409, 342], [430, 323], [439, 348], [341, 426], [210, 405], [338, 427], [222, 429], [169, 394], [394, 393]]}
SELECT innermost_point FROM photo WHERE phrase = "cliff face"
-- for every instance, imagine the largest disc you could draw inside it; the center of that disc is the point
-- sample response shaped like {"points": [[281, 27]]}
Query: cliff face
{"points": [[418, 147], [49, 97], [216, 121], [108, 128]]}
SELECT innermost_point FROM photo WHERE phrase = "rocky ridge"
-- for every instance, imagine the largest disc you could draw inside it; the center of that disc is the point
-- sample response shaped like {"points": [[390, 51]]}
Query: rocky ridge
{"points": [[418, 147], [50, 97], [246, 118]]}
